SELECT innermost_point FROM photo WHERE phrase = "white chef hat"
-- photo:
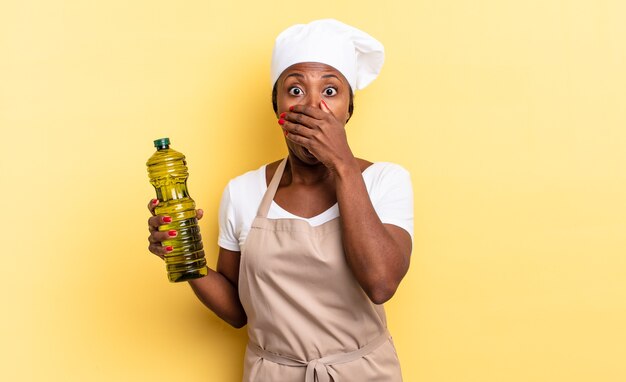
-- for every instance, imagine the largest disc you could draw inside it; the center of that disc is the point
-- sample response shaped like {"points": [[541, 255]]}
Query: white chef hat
{"points": [[354, 53]]}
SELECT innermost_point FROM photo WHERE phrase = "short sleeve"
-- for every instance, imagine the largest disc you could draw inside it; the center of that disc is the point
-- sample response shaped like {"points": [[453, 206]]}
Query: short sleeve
{"points": [[227, 238], [392, 196]]}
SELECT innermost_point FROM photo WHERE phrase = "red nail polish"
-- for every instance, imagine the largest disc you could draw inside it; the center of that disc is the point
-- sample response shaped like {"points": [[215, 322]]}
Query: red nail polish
{"points": [[286, 132], [172, 232], [155, 201], [290, 108], [167, 219], [281, 121], [282, 115], [169, 248], [325, 104]]}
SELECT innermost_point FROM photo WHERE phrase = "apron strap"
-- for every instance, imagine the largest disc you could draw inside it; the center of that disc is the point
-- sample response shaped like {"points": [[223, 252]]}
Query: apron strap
{"points": [[317, 370], [266, 202]]}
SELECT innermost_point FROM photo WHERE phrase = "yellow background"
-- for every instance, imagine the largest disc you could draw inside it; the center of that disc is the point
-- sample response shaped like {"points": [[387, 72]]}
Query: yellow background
{"points": [[509, 115]]}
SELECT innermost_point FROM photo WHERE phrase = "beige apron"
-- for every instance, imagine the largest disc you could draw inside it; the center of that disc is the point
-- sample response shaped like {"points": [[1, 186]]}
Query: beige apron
{"points": [[308, 318]]}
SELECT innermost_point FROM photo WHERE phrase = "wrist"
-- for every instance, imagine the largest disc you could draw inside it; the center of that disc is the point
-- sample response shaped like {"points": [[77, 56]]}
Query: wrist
{"points": [[347, 168]]}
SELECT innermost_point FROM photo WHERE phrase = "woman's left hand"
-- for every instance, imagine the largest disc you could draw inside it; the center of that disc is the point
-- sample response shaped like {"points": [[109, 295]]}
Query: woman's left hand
{"points": [[320, 132]]}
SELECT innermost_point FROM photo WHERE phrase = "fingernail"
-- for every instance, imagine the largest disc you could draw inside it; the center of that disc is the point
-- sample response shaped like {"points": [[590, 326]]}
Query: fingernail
{"points": [[325, 104], [286, 132], [282, 115], [281, 121], [172, 232], [290, 108], [155, 201], [169, 248], [167, 219]]}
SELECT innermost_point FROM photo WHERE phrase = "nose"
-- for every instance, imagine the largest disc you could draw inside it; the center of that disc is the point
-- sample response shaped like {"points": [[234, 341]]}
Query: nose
{"points": [[313, 99]]}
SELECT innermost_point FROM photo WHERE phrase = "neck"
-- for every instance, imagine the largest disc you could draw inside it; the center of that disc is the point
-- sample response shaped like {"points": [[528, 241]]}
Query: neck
{"points": [[303, 173]]}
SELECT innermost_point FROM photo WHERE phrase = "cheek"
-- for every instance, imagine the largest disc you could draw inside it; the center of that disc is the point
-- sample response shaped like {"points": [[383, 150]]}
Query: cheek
{"points": [[282, 104], [339, 106]]}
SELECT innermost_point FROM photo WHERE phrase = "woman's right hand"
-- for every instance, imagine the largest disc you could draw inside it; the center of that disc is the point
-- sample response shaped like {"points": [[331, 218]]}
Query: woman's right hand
{"points": [[218, 289], [157, 237]]}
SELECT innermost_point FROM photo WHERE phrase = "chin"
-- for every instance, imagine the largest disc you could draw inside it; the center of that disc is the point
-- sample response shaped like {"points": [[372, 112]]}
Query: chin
{"points": [[304, 155]]}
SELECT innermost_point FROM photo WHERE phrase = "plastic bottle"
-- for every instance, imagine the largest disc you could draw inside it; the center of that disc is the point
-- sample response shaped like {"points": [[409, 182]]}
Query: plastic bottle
{"points": [[168, 174]]}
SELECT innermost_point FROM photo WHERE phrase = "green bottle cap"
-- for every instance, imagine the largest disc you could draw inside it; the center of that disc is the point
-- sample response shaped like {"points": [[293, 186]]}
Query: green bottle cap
{"points": [[162, 143]]}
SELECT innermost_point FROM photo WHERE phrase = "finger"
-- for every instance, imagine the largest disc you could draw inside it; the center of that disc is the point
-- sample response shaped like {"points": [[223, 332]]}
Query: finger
{"points": [[303, 119], [199, 214], [158, 237], [297, 129], [325, 108], [155, 221], [314, 112], [152, 205], [298, 139], [159, 250]]}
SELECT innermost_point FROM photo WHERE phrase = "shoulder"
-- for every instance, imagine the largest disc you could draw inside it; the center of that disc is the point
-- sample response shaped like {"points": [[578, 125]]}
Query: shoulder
{"points": [[269, 170], [241, 198], [249, 176], [251, 181], [383, 178], [382, 170]]}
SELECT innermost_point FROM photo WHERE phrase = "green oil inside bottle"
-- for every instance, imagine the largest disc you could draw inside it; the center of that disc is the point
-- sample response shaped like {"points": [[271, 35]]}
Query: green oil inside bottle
{"points": [[167, 170]]}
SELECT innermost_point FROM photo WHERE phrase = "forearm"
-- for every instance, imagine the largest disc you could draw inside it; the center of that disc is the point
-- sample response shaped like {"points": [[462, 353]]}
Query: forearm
{"points": [[376, 259], [218, 294]]}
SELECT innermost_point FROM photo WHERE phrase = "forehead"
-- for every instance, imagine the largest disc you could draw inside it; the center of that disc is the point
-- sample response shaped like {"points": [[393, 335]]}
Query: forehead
{"points": [[312, 69]]}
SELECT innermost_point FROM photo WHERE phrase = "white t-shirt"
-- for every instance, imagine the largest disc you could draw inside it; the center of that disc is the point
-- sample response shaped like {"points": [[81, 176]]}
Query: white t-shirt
{"points": [[388, 185]]}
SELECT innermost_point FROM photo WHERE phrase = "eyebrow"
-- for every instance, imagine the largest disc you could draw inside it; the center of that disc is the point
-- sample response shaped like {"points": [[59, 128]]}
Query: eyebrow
{"points": [[294, 75], [329, 76], [302, 76]]}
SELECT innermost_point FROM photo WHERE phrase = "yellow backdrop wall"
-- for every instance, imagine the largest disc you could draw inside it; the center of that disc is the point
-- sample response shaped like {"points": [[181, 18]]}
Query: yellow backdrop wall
{"points": [[509, 115]]}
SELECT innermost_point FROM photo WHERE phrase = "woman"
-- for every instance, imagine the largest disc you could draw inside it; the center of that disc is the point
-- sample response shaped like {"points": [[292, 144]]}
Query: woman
{"points": [[311, 246]]}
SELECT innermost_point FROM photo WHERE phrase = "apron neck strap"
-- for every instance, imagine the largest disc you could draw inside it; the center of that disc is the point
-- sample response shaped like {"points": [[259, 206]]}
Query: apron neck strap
{"points": [[271, 190]]}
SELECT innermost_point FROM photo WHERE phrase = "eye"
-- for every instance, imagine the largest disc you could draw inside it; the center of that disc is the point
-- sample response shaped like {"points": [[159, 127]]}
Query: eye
{"points": [[295, 91], [330, 91]]}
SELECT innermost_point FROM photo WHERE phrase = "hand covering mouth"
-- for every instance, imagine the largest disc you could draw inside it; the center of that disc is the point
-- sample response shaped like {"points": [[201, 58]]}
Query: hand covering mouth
{"points": [[308, 153]]}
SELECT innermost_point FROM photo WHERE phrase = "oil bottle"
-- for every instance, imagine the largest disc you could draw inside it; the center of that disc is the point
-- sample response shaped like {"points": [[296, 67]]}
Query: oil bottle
{"points": [[168, 173]]}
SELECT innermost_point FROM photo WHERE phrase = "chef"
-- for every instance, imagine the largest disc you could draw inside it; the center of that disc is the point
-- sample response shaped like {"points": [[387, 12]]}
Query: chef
{"points": [[312, 245]]}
